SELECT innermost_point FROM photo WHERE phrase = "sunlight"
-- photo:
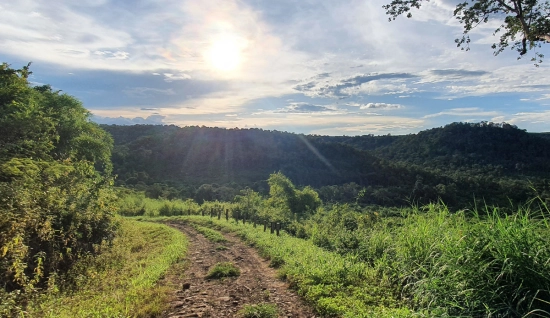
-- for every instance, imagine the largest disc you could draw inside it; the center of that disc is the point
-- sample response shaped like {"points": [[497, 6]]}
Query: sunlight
{"points": [[224, 54]]}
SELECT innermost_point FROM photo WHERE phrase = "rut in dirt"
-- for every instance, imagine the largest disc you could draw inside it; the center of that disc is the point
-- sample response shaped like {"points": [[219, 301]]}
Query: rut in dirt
{"points": [[257, 284]]}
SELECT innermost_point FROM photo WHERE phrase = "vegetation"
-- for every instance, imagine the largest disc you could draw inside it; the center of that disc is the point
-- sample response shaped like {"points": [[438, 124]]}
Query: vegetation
{"points": [[259, 311], [222, 270], [210, 234], [427, 262], [364, 252], [462, 163], [121, 282], [55, 177], [524, 25]]}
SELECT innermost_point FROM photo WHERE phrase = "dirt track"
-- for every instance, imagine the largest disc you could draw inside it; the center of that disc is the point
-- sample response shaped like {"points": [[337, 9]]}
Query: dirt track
{"points": [[201, 297]]}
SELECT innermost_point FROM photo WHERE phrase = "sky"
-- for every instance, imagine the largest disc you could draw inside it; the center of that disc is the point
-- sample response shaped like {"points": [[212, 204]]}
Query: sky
{"points": [[326, 67]]}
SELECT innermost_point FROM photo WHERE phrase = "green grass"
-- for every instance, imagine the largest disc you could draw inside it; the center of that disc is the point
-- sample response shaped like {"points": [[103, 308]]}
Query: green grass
{"points": [[259, 311], [210, 234], [121, 282], [334, 284], [222, 270], [428, 262]]}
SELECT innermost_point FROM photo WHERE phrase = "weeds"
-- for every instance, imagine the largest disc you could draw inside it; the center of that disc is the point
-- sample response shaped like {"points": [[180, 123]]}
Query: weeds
{"points": [[224, 269], [259, 311]]}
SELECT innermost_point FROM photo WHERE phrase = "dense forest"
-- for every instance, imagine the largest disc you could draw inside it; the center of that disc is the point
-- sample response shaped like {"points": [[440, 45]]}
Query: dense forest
{"points": [[460, 163]]}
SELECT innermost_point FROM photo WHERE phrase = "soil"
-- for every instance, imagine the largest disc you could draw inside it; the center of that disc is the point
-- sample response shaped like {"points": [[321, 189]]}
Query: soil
{"points": [[198, 296]]}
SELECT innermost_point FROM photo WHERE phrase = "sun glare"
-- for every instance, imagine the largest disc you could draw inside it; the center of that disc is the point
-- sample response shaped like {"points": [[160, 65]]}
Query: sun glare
{"points": [[224, 54]]}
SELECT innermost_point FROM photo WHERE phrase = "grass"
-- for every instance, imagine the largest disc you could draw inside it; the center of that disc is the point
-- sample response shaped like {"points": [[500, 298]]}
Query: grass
{"points": [[121, 282], [336, 285], [259, 311], [210, 234], [222, 270], [428, 262]]}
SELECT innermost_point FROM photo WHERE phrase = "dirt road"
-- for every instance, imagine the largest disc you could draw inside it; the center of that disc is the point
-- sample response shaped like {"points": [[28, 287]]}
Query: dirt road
{"points": [[257, 283]]}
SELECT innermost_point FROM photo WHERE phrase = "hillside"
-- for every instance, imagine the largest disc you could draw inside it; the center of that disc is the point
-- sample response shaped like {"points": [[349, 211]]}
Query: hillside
{"points": [[199, 155], [478, 148], [457, 163]]}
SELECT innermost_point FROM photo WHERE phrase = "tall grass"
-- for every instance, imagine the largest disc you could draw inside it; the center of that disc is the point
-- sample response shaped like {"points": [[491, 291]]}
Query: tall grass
{"points": [[122, 281], [137, 204]]}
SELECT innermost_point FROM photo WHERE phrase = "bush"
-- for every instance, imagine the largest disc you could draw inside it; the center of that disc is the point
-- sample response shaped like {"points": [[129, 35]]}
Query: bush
{"points": [[55, 184]]}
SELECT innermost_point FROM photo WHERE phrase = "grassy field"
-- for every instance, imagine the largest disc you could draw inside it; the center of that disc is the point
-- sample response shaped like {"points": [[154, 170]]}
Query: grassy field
{"points": [[122, 282], [427, 263]]}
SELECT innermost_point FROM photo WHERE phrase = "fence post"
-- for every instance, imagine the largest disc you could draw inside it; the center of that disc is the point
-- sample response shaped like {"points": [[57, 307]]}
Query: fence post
{"points": [[272, 229], [278, 228], [219, 214], [265, 225], [202, 212], [227, 214]]}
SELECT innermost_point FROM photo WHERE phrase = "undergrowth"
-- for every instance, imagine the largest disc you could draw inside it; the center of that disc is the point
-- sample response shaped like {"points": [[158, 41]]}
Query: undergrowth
{"points": [[121, 282]]}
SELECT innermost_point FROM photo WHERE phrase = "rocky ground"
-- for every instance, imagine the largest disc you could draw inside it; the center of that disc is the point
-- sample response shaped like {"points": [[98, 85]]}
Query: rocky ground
{"points": [[197, 296]]}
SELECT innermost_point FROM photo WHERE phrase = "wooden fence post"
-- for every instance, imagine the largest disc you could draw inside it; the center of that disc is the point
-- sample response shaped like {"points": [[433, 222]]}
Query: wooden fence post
{"points": [[278, 228], [265, 226], [227, 214], [272, 229]]}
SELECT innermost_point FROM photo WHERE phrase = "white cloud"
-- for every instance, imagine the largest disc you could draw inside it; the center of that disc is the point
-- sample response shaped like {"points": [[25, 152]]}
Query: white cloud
{"points": [[464, 112], [381, 106]]}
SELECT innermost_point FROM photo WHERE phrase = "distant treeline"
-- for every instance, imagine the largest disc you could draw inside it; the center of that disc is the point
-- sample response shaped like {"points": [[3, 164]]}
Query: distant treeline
{"points": [[492, 163]]}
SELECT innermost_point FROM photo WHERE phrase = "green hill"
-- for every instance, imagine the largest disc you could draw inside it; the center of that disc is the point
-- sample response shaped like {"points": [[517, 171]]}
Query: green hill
{"points": [[457, 163]]}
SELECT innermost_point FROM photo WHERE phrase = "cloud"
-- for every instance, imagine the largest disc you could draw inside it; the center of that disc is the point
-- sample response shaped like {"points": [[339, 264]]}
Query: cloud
{"points": [[345, 87], [169, 77], [118, 55], [381, 106], [454, 73], [146, 92], [302, 107], [464, 112]]}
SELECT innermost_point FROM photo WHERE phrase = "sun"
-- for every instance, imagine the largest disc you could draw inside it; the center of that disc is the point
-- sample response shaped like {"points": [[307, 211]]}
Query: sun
{"points": [[224, 54]]}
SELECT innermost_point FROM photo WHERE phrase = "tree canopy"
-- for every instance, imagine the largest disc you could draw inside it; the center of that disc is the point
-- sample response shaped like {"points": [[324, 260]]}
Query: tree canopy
{"points": [[524, 24]]}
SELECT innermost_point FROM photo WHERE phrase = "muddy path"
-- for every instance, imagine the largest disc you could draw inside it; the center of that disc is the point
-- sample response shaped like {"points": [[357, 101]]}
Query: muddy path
{"points": [[197, 296]]}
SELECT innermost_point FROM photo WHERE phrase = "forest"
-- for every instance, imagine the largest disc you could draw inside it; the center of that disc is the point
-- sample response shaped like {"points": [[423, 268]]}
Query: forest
{"points": [[448, 222], [460, 163]]}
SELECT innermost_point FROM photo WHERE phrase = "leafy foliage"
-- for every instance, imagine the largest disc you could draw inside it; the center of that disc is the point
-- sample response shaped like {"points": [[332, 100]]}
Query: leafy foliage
{"points": [[525, 24], [55, 206]]}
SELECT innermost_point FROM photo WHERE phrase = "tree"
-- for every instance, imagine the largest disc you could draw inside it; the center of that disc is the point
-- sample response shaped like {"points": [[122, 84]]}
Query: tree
{"points": [[284, 196], [525, 23], [55, 183]]}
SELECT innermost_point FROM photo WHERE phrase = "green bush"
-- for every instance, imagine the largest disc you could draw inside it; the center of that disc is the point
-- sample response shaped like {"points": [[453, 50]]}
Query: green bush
{"points": [[55, 184]]}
